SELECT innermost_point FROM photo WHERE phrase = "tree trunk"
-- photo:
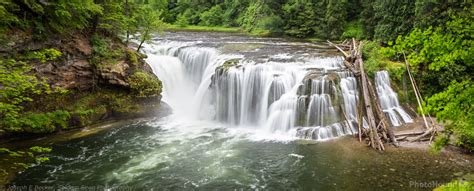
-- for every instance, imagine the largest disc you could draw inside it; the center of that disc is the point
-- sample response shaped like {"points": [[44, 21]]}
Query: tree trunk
{"points": [[127, 14], [140, 46], [144, 38], [373, 135]]}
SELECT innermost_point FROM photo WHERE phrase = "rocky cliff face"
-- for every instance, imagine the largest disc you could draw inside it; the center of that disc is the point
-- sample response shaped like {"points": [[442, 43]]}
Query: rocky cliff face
{"points": [[76, 71], [117, 84]]}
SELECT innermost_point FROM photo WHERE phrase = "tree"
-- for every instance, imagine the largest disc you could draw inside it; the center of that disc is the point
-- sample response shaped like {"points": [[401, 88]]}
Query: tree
{"points": [[441, 54], [59, 16], [254, 12], [335, 18], [150, 23], [115, 17], [232, 10], [300, 18], [212, 17], [393, 18], [454, 108]]}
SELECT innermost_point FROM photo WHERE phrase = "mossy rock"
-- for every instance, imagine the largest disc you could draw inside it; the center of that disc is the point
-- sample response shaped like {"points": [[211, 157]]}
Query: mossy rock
{"points": [[132, 57], [144, 84], [229, 63]]}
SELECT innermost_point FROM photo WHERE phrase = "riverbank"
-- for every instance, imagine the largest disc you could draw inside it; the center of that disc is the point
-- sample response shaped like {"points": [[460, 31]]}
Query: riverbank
{"points": [[224, 29], [196, 28], [9, 166], [62, 83]]}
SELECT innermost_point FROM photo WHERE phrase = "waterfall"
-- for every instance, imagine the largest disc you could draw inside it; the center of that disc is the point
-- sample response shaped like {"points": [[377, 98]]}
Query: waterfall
{"points": [[186, 73], [312, 98], [389, 100]]}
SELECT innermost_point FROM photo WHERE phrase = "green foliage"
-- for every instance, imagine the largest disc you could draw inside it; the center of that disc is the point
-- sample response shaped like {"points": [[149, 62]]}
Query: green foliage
{"points": [[301, 18], [453, 107], [273, 24], [8, 18], [6, 9], [70, 15], [44, 55], [232, 11], [106, 20], [393, 18], [440, 47], [203, 28], [192, 16], [100, 46], [144, 84], [17, 88], [40, 122], [41, 159], [353, 30], [254, 12], [374, 58], [114, 18], [104, 51], [335, 18], [151, 23], [441, 54], [432, 13], [38, 149], [439, 142], [212, 17], [59, 16], [132, 57], [182, 20]]}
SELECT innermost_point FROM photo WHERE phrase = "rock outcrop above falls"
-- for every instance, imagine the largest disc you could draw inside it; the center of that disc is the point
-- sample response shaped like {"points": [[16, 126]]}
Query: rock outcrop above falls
{"points": [[76, 70]]}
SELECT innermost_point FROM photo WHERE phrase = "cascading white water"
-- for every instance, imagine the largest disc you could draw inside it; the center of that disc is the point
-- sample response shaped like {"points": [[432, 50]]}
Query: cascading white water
{"points": [[247, 95], [389, 100], [186, 75], [285, 98], [314, 98]]}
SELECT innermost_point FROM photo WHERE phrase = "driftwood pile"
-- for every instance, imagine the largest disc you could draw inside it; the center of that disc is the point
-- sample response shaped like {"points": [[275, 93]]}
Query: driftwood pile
{"points": [[379, 129]]}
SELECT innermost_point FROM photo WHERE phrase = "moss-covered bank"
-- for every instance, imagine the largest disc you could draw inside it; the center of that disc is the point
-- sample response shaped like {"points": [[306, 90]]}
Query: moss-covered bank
{"points": [[63, 83], [70, 81]]}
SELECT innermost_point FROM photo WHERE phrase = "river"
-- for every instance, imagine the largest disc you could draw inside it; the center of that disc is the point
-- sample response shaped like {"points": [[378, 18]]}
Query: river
{"points": [[279, 116]]}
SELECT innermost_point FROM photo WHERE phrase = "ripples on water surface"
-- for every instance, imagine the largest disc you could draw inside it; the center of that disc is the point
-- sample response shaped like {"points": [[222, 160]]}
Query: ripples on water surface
{"points": [[171, 154], [174, 153]]}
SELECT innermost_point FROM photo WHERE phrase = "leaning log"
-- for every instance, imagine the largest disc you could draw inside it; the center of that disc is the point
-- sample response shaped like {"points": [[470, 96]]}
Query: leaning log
{"points": [[368, 105], [373, 135]]}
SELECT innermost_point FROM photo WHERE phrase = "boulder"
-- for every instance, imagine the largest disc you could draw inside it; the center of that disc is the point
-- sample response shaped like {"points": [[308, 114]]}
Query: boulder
{"points": [[115, 74]]}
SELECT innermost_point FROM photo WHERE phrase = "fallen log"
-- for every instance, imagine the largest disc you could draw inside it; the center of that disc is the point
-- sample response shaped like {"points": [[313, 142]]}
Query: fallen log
{"points": [[401, 138], [340, 49], [368, 105], [408, 134], [373, 133]]}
